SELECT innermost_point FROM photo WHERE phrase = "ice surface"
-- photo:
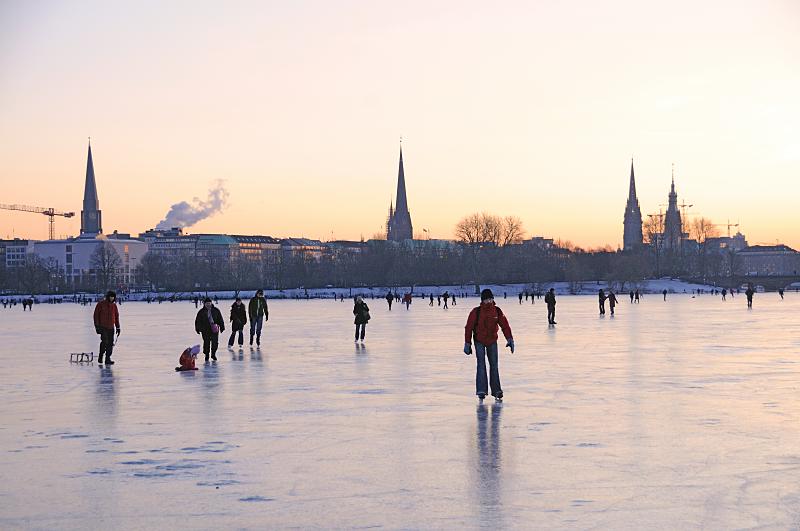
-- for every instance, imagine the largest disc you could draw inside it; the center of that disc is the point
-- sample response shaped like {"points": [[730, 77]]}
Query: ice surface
{"points": [[671, 415]]}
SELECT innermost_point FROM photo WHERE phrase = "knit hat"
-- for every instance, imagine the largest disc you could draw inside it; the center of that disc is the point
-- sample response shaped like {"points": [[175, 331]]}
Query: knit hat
{"points": [[487, 294], [111, 293], [207, 299]]}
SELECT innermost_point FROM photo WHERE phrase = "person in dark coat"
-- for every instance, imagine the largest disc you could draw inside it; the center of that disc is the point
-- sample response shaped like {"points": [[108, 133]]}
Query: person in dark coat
{"points": [[612, 301], [389, 300], [481, 327], [209, 323], [238, 320], [258, 311], [361, 311], [665, 294], [749, 294], [550, 300], [601, 299], [106, 319]]}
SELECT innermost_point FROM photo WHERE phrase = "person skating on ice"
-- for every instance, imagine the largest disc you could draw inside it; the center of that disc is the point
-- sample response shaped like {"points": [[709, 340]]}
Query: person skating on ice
{"points": [[481, 327], [550, 300], [601, 300], [389, 300], [258, 312], [209, 324], [612, 301], [106, 319], [361, 311], [238, 320]]}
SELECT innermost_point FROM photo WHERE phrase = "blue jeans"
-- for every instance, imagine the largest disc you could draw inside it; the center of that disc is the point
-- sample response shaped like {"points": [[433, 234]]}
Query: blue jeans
{"points": [[481, 353], [255, 329]]}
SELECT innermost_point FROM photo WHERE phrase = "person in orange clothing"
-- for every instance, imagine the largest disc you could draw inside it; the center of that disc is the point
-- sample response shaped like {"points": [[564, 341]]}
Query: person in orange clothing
{"points": [[106, 319], [187, 359], [482, 325]]}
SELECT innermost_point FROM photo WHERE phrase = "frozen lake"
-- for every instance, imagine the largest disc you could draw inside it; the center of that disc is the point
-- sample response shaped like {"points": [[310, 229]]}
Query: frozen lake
{"points": [[672, 415]]}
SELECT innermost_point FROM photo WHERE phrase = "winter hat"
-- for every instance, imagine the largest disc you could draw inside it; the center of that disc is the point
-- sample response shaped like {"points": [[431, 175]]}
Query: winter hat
{"points": [[207, 299], [259, 292], [195, 350], [486, 294], [111, 293]]}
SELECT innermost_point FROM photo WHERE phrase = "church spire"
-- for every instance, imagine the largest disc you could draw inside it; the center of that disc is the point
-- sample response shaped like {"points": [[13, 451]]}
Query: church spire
{"points": [[401, 205], [90, 215], [399, 227], [632, 222]]}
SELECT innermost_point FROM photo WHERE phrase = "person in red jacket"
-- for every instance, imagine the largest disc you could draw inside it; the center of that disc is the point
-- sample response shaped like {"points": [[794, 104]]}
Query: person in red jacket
{"points": [[482, 325], [106, 319]]}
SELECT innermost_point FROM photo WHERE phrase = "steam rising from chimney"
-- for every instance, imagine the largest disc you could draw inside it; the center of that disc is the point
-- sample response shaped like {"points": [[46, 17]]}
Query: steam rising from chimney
{"points": [[185, 215]]}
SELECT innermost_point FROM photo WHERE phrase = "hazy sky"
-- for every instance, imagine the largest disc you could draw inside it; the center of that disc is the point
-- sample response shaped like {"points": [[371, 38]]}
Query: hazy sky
{"points": [[525, 108]]}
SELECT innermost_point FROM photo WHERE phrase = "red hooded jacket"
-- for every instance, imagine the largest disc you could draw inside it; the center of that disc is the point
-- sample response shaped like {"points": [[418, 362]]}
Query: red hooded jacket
{"points": [[106, 314], [485, 326]]}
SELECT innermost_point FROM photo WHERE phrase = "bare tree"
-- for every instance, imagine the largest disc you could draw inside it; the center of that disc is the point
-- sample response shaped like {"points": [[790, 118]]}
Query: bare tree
{"points": [[33, 275], [469, 229], [702, 229], [106, 263], [488, 228]]}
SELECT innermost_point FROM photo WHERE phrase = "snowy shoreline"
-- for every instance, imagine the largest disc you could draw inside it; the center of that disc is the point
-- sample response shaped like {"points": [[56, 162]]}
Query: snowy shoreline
{"points": [[468, 290]]}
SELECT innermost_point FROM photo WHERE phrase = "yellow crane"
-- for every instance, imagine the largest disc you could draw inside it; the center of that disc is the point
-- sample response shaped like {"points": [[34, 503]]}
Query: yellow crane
{"points": [[50, 212]]}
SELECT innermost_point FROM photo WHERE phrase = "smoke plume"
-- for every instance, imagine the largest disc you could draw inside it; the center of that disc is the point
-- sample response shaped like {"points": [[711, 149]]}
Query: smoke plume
{"points": [[184, 214]]}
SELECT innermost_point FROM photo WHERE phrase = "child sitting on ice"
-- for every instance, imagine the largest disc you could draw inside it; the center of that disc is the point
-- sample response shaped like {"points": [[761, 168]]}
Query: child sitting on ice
{"points": [[188, 358]]}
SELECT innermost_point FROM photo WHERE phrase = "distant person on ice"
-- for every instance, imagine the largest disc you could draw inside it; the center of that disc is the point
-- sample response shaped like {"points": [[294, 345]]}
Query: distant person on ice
{"points": [[482, 325], [665, 294], [407, 300], [612, 301], [631, 296], [238, 320], [106, 319], [601, 299], [520, 297], [446, 298], [258, 311], [431, 304], [361, 311], [550, 300], [636, 295], [209, 323], [389, 300], [749, 294]]}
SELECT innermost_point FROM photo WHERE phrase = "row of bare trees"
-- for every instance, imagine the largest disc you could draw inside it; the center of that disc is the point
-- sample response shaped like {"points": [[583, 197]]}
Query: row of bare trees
{"points": [[489, 228]]}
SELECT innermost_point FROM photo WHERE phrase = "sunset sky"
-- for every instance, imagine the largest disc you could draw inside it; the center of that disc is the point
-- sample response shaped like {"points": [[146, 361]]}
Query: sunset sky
{"points": [[528, 108]]}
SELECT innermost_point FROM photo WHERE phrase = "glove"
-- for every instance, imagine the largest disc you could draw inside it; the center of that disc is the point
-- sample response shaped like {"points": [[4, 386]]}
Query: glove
{"points": [[119, 330], [97, 330], [467, 348], [510, 344]]}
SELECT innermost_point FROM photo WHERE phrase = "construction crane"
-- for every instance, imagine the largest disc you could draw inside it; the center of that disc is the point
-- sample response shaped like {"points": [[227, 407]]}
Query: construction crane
{"points": [[50, 212]]}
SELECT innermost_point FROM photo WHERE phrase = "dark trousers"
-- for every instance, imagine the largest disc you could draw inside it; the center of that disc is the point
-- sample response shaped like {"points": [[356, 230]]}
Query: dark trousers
{"points": [[551, 314], [210, 343], [363, 330], [233, 335], [481, 353], [602, 308], [106, 343]]}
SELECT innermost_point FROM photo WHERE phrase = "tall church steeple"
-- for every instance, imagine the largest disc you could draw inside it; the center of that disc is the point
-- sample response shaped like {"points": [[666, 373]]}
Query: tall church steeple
{"points": [[673, 225], [632, 222], [91, 219], [399, 226]]}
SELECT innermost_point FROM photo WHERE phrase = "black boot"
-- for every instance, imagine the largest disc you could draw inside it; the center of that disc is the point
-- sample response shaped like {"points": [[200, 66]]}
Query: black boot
{"points": [[99, 358], [109, 361]]}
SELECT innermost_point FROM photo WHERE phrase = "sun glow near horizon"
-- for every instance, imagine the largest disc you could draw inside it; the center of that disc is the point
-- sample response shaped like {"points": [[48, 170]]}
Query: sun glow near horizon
{"points": [[522, 109]]}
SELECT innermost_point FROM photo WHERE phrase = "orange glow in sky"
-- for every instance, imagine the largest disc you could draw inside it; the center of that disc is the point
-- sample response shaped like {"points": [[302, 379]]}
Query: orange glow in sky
{"points": [[527, 108]]}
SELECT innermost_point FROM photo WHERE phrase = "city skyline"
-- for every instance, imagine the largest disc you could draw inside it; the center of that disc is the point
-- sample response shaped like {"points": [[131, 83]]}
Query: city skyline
{"points": [[489, 123]]}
